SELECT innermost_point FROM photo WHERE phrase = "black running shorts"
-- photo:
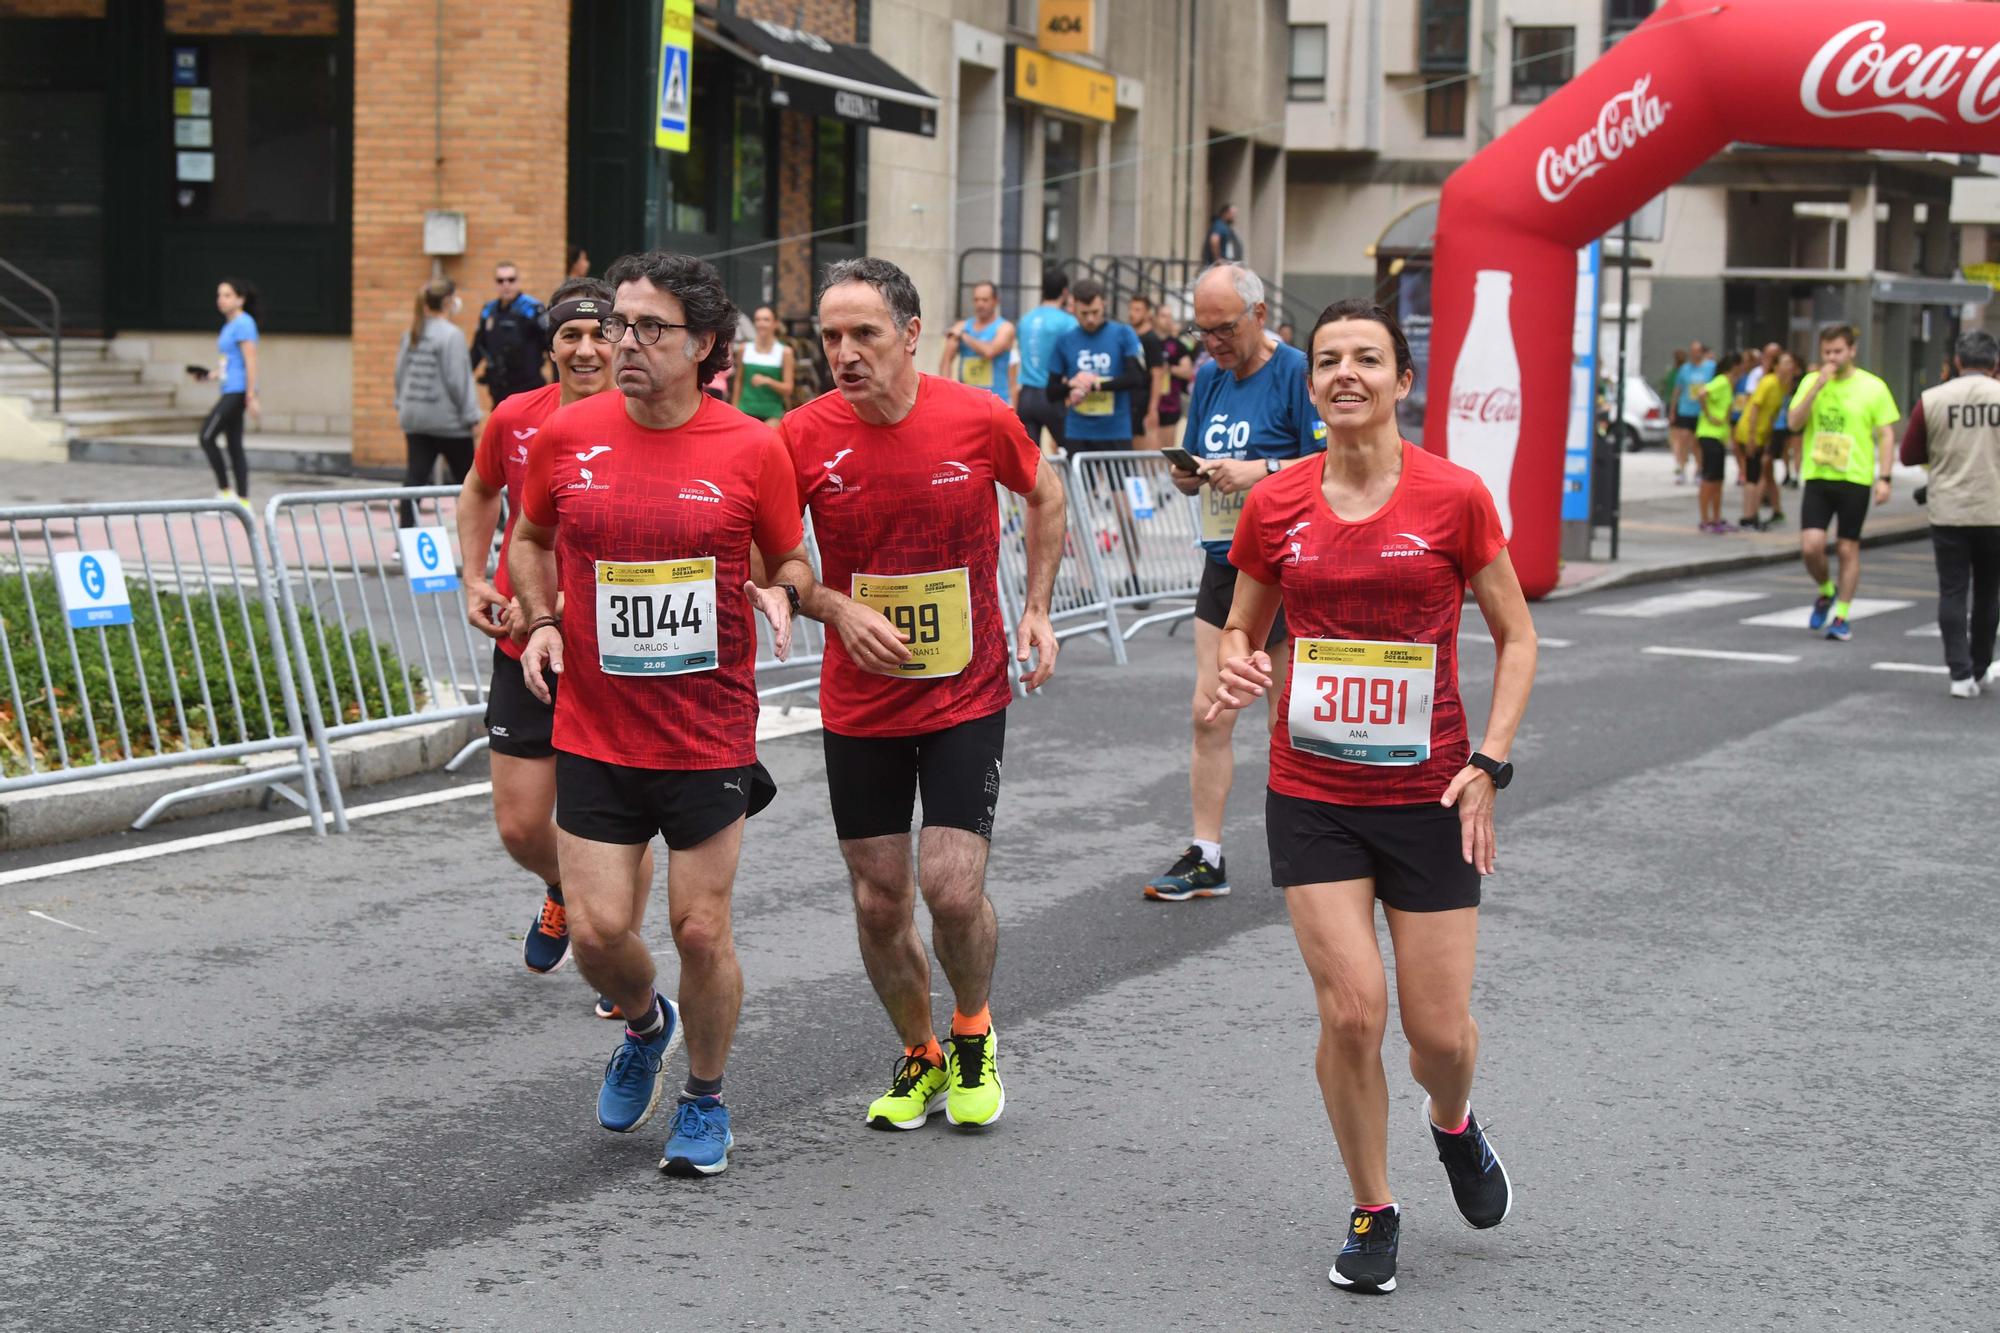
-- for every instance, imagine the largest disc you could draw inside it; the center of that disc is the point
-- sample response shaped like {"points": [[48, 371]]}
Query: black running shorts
{"points": [[619, 804], [1822, 503], [874, 780], [1753, 464], [1776, 448], [517, 723], [1684, 421], [1217, 593], [1713, 454], [1412, 852]]}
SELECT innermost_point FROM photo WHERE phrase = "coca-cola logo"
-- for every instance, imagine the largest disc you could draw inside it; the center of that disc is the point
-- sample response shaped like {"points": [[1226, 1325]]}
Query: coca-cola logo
{"points": [[1487, 405], [1621, 122], [1857, 74]]}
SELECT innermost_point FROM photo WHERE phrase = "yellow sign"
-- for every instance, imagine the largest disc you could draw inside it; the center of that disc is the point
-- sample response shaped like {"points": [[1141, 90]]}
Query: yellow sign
{"points": [[1986, 273], [673, 113], [1049, 82], [1065, 25]]}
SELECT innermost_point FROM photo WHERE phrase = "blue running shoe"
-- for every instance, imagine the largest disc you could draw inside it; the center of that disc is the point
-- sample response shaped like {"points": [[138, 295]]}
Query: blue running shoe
{"points": [[547, 944], [1822, 607], [700, 1141], [636, 1076], [1838, 631]]}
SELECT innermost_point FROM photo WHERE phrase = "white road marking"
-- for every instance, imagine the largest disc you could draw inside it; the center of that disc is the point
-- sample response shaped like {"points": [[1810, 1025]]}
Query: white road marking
{"points": [[774, 720], [224, 836], [1545, 642], [60, 922], [1721, 655], [1924, 632], [1921, 668], [1798, 617], [1674, 603]]}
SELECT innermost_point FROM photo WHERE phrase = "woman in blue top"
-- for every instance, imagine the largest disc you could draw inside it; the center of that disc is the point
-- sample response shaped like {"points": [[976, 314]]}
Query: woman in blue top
{"points": [[237, 300]]}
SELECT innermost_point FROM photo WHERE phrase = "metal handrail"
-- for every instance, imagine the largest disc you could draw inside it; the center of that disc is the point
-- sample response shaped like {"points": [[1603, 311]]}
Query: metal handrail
{"points": [[53, 330]]}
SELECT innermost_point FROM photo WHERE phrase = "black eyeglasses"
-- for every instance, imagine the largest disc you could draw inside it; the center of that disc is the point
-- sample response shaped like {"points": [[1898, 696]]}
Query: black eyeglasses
{"points": [[510, 278], [645, 330], [1220, 330]]}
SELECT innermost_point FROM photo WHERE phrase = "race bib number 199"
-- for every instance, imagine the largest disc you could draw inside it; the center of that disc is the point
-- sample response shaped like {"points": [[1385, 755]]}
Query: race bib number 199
{"points": [[1362, 702], [933, 611], [656, 619]]}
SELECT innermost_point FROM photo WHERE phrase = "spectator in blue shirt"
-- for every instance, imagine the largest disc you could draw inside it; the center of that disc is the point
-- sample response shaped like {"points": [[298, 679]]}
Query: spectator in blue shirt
{"points": [[1035, 340], [1689, 380], [1095, 369], [237, 343]]}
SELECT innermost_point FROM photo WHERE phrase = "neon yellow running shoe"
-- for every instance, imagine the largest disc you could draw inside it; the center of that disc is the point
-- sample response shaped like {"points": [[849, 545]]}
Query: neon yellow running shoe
{"points": [[915, 1092], [974, 1096]]}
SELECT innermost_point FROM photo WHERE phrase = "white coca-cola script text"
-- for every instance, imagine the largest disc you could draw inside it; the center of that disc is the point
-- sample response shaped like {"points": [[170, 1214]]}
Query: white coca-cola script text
{"points": [[1856, 73], [1487, 405], [1623, 120]]}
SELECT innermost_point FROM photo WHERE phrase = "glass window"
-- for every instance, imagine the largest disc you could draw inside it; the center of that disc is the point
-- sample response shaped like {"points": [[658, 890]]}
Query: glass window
{"points": [[1544, 60], [273, 145], [1442, 34], [1621, 16], [1308, 66], [1444, 110], [833, 183], [750, 200], [684, 183]]}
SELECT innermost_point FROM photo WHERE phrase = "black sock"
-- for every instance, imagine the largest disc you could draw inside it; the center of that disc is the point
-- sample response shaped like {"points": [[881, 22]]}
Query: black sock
{"points": [[702, 1087], [555, 894], [655, 1021]]}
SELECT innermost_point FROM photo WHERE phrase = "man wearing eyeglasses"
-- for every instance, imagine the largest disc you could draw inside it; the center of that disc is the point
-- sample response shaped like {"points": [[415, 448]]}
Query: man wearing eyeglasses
{"points": [[653, 497], [510, 342], [1248, 414]]}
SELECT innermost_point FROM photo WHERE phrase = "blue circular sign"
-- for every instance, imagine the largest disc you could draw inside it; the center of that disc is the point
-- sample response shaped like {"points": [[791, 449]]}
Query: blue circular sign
{"points": [[91, 574], [427, 551]]}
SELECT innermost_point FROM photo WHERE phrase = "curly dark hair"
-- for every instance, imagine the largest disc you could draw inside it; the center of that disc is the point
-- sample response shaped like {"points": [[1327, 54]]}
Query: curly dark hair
{"points": [[1360, 307], [705, 305]]}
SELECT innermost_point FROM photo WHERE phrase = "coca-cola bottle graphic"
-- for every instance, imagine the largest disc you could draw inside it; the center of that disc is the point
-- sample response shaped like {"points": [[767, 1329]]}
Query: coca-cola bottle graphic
{"points": [[1486, 392]]}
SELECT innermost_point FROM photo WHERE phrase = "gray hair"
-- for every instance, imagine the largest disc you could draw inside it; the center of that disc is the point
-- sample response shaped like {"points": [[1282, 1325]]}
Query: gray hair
{"points": [[1977, 349], [1243, 280], [890, 283], [705, 305]]}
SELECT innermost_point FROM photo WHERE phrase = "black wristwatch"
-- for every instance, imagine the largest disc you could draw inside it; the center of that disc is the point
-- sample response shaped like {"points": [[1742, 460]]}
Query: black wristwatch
{"points": [[791, 595], [1499, 770], [1271, 466]]}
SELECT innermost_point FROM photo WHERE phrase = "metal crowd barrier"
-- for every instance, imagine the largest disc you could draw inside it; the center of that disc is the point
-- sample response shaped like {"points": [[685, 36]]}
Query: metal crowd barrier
{"points": [[1078, 604], [1148, 534], [166, 613], [800, 671], [376, 618]]}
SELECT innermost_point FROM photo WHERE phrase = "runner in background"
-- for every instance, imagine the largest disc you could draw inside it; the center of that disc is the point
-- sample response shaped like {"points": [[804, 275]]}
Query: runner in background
{"points": [[982, 347], [1761, 411], [1843, 415], [1689, 377], [1711, 433], [1173, 378], [1145, 416], [1038, 331], [1375, 792], [766, 371]]}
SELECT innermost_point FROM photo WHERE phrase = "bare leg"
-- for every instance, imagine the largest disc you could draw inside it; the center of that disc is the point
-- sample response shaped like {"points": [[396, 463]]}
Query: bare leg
{"points": [[1335, 926], [1212, 766], [605, 907], [1435, 952], [699, 881], [524, 808], [885, 898], [1849, 549], [964, 930], [1812, 549]]}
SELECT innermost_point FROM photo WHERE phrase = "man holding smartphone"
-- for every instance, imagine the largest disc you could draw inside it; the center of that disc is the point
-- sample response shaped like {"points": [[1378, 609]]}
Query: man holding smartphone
{"points": [[1248, 413]]}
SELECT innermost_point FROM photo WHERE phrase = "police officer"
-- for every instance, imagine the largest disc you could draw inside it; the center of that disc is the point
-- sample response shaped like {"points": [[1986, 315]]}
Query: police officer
{"points": [[511, 342]]}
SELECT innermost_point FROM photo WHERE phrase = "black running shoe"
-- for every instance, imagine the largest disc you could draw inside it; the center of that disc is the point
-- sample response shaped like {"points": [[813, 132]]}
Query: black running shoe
{"points": [[1367, 1262], [1478, 1182], [1190, 877]]}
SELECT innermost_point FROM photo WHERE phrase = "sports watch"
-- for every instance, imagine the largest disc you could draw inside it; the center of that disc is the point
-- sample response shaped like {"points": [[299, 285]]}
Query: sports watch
{"points": [[791, 595], [1499, 770]]}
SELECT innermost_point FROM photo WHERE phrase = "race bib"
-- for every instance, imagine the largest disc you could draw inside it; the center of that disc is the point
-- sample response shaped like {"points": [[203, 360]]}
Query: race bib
{"points": [[1831, 450], [1219, 514], [977, 371], [934, 612], [1097, 403], [656, 619], [1363, 702]]}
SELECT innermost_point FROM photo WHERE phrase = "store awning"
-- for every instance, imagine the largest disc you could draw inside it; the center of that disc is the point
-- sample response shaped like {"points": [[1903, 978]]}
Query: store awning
{"points": [[826, 78], [1901, 289]]}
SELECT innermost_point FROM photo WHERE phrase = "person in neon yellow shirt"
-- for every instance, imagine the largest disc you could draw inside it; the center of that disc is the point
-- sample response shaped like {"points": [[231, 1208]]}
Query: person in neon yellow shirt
{"points": [[1763, 406], [1711, 434], [1843, 415]]}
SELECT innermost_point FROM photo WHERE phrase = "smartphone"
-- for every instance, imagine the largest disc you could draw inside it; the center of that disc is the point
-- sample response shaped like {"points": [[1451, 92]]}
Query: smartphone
{"points": [[198, 372], [1181, 458]]}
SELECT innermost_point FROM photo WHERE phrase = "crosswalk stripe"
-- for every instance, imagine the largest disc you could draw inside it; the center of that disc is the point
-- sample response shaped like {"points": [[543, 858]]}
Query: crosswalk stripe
{"points": [[1800, 617], [1674, 603], [1722, 655], [1924, 632], [1920, 668]]}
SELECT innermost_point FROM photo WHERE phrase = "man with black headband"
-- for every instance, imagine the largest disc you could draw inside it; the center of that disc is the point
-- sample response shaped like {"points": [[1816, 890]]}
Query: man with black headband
{"points": [[643, 507], [518, 725]]}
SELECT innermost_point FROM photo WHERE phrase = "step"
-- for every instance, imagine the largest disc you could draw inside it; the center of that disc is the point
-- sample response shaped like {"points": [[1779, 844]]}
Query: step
{"points": [[317, 455], [74, 350], [125, 397], [103, 423], [20, 376]]}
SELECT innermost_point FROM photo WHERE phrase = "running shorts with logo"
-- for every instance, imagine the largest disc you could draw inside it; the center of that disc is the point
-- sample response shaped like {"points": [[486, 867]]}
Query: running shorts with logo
{"points": [[873, 781], [1370, 715], [1841, 505], [653, 536], [907, 521], [517, 723], [618, 803]]}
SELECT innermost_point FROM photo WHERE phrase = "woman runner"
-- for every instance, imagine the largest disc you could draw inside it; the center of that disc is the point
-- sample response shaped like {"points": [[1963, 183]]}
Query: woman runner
{"points": [[237, 346], [1374, 792], [764, 377]]}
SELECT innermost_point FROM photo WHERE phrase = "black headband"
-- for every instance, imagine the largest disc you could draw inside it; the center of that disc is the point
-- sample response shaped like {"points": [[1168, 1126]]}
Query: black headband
{"points": [[582, 307]]}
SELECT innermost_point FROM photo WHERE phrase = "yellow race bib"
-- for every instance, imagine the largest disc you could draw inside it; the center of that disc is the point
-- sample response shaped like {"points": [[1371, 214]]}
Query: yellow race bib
{"points": [[976, 371], [1097, 403], [934, 613], [1831, 450]]}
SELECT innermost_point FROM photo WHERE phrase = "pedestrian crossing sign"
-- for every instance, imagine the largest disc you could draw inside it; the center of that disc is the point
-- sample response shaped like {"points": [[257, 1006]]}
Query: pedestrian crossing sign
{"points": [[670, 129]]}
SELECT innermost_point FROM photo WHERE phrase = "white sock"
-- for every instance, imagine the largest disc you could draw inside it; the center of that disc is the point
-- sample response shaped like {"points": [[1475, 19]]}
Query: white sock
{"points": [[1211, 851]]}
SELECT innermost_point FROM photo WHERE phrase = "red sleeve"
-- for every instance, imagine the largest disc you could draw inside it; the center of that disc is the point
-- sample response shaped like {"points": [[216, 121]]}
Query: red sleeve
{"points": [[486, 459], [1481, 538], [1916, 437], [1015, 457], [538, 501], [794, 464], [775, 526], [1248, 552]]}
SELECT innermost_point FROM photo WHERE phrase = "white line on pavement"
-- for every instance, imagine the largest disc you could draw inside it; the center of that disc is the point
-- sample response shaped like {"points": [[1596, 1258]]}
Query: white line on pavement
{"points": [[217, 839], [1799, 617], [60, 922], [1544, 642], [1921, 668], [1721, 655], [1673, 603], [1924, 632]]}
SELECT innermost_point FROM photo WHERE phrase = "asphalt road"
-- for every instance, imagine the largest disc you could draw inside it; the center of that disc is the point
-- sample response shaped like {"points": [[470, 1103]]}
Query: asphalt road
{"points": [[1736, 991]]}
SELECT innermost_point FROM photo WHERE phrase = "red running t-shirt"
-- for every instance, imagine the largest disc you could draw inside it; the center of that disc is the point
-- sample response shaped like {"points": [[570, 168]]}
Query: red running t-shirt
{"points": [[617, 491], [1397, 577], [912, 498], [502, 463]]}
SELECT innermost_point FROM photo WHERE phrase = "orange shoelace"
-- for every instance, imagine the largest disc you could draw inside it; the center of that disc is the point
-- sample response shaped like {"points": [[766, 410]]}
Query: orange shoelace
{"points": [[555, 921]]}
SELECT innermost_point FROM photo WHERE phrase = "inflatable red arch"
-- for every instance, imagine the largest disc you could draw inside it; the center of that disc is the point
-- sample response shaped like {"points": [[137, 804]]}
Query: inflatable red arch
{"points": [[1922, 76]]}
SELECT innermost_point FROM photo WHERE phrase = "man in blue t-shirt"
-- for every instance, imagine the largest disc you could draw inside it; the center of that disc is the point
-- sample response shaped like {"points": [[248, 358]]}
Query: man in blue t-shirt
{"points": [[1035, 340], [1249, 413], [1095, 369], [1689, 380]]}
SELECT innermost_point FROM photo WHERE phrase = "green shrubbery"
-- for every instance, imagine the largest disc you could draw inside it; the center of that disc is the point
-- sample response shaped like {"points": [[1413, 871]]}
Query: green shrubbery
{"points": [[226, 636]]}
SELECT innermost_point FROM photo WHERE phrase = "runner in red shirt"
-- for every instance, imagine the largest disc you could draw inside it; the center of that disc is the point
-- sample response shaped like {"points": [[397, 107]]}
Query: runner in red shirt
{"points": [[898, 469], [1374, 792], [645, 505], [518, 725]]}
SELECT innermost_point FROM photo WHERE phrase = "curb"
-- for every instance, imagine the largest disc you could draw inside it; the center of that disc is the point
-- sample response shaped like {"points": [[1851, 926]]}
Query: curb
{"points": [[91, 807], [1727, 564], [298, 462]]}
